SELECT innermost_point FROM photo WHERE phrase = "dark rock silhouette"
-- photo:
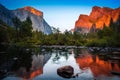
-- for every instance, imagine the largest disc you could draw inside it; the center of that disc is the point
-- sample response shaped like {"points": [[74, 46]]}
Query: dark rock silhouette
{"points": [[65, 71]]}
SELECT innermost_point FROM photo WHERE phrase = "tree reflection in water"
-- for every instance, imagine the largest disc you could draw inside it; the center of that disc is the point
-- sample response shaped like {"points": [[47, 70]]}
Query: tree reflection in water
{"points": [[44, 64], [59, 59], [59, 54]]}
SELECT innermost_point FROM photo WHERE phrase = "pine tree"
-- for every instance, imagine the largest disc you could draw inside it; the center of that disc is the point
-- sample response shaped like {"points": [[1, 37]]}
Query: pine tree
{"points": [[26, 28], [17, 24], [111, 24]]}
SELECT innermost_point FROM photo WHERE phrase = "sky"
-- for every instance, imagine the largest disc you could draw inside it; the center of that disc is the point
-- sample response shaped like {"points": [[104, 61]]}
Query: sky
{"points": [[61, 14]]}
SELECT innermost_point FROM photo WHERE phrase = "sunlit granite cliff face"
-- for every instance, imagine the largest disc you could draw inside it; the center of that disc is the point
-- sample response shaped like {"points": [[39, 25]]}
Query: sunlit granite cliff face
{"points": [[38, 22], [99, 16], [32, 10]]}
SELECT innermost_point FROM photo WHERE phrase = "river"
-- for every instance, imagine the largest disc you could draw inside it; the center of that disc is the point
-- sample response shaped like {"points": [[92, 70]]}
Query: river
{"points": [[42, 64]]}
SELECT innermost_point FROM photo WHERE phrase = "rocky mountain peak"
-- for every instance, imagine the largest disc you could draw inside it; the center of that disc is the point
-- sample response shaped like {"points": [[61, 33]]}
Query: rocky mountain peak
{"points": [[33, 10], [97, 8], [36, 16], [98, 12], [98, 16]]}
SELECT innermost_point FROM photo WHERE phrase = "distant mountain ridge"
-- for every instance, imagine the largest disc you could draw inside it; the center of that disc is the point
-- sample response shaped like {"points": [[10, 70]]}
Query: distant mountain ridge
{"points": [[36, 16], [98, 16]]}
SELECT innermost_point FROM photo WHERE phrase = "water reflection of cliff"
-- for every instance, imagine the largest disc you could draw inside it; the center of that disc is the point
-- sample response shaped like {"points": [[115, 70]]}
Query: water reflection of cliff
{"points": [[59, 59], [97, 65], [38, 63]]}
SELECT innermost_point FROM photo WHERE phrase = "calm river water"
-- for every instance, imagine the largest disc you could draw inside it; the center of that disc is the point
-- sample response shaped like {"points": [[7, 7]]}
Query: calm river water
{"points": [[42, 64]]}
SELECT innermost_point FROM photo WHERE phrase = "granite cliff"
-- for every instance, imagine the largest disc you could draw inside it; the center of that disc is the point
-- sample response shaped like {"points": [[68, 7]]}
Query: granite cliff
{"points": [[98, 17], [36, 16]]}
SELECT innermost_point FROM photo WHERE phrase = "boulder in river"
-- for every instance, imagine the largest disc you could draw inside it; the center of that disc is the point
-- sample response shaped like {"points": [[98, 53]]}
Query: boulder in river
{"points": [[65, 71]]}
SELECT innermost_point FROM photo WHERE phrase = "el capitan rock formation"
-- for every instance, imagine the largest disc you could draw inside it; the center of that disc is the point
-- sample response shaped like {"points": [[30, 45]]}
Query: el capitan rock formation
{"points": [[36, 16], [98, 17]]}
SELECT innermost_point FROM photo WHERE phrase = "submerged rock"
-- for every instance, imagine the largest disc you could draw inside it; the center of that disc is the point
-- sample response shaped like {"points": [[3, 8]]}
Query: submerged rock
{"points": [[65, 71]]}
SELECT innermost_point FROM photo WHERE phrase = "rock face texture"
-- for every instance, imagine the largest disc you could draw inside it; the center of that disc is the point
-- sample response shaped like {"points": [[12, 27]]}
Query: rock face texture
{"points": [[32, 10], [38, 22], [6, 15], [65, 71], [98, 17]]}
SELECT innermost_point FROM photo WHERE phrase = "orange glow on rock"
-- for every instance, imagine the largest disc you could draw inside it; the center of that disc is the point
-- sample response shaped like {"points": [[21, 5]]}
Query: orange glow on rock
{"points": [[36, 73], [98, 66], [83, 22], [34, 11], [98, 16]]}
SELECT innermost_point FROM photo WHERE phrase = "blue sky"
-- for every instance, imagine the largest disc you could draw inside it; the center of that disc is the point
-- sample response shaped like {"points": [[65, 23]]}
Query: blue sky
{"points": [[61, 13]]}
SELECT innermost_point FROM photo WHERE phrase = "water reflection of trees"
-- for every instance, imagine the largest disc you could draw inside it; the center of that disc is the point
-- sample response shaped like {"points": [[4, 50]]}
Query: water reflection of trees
{"points": [[59, 54], [23, 60], [21, 55], [15, 60]]}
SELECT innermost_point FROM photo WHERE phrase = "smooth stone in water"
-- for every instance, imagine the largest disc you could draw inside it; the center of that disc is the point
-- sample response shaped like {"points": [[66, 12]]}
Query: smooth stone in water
{"points": [[65, 71]]}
